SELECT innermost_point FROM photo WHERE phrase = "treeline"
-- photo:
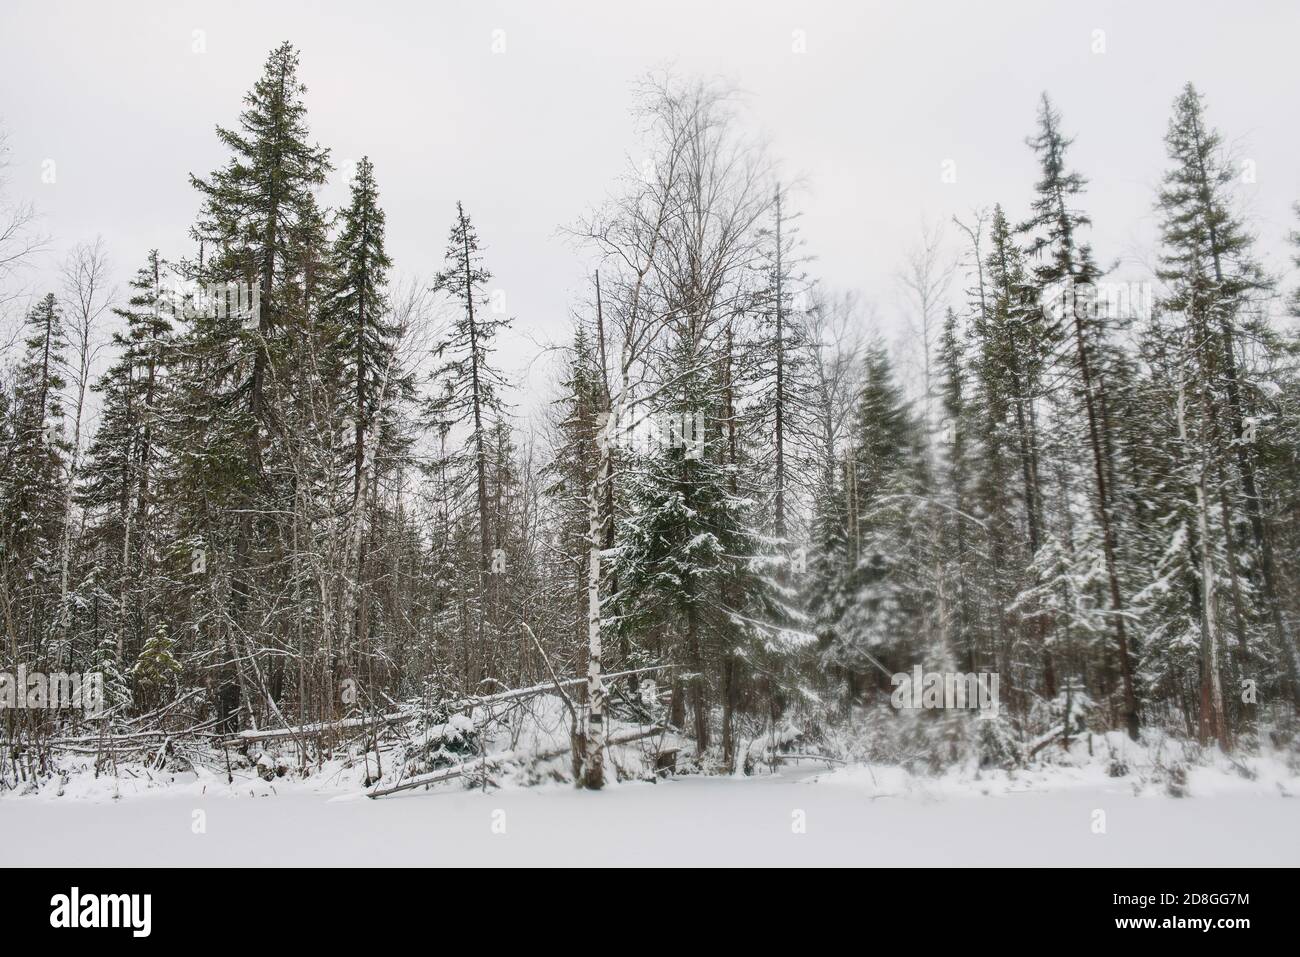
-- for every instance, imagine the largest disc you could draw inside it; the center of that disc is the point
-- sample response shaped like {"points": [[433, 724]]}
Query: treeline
{"points": [[1097, 499], [328, 482]]}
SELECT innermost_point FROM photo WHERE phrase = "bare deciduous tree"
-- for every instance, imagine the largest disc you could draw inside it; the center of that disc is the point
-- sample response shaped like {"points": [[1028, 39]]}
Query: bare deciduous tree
{"points": [[87, 295]]}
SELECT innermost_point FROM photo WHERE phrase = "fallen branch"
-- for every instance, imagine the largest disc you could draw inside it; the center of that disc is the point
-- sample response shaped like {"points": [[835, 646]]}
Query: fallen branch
{"points": [[396, 717], [807, 757], [1046, 739], [559, 687], [495, 760]]}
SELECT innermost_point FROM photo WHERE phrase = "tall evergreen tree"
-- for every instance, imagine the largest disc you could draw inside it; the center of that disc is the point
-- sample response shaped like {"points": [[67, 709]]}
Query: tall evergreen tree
{"points": [[32, 485], [35, 458], [1207, 261], [256, 205], [1016, 341], [357, 305], [119, 481], [244, 383], [885, 591], [468, 391], [774, 368], [1066, 272], [571, 470]]}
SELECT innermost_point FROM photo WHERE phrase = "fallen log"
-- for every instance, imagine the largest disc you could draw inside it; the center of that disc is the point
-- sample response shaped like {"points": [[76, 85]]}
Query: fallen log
{"points": [[1046, 739], [496, 760], [396, 717], [198, 730], [806, 757]]}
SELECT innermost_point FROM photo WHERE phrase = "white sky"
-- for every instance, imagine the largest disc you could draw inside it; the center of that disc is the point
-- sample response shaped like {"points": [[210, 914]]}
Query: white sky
{"points": [[532, 137]]}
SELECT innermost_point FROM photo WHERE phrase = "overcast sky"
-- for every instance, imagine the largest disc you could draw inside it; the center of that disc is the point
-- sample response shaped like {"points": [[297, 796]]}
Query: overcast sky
{"points": [[531, 137]]}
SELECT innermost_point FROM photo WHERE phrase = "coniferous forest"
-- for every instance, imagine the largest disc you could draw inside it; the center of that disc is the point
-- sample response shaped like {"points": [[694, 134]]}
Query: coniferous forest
{"points": [[292, 507]]}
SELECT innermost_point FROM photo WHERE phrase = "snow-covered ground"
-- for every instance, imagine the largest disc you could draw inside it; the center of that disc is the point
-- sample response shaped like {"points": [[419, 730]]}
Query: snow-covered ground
{"points": [[854, 816]]}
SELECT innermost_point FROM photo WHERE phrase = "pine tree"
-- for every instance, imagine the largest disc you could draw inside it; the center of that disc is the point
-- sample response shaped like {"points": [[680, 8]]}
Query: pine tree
{"points": [[690, 563], [884, 592], [156, 665], [468, 391], [246, 389], [33, 482], [571, 470], [107, 660], [362, 355], [118, 482], [357, 305], [1016, 341], [775, 368], [255, 206], [835, 361], [1066, 270], [958, 428], [1208, 263]]}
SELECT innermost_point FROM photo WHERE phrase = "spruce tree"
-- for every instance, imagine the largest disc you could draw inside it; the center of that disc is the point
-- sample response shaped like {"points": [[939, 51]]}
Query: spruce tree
{"points": [[33, 483], [1016, 341], [958, 428], [123, 467], [1066, 272], [156, 667], [775, 368], [357, 306], [255, 206], [885, 591], [571, 470], [245, 387], [1208, 263], [467, 392]]}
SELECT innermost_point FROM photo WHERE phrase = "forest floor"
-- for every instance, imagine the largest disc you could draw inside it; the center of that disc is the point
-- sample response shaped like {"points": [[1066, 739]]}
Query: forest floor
{"points": [[801, 816]]}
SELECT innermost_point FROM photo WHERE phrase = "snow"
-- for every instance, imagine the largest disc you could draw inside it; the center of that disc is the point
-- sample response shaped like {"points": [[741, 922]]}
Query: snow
{"points": [[853, 816]]}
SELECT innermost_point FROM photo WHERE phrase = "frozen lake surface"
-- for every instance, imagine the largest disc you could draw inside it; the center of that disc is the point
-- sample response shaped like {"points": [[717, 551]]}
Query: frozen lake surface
{"points": [[801, 817]]}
